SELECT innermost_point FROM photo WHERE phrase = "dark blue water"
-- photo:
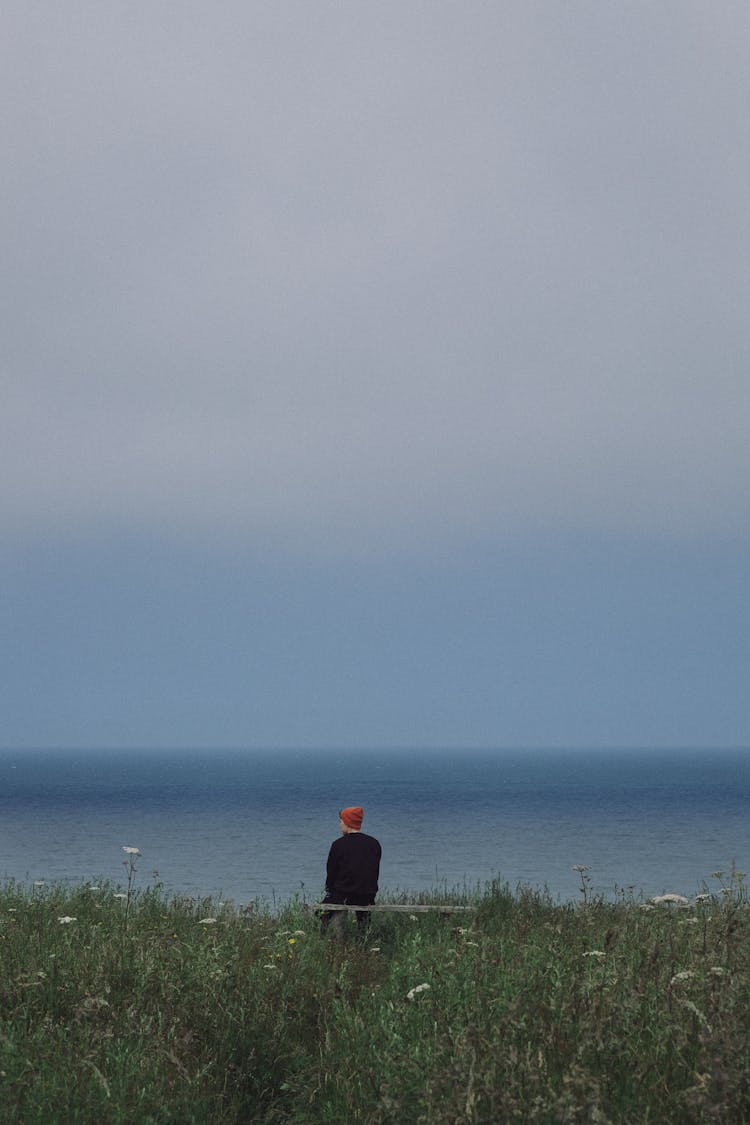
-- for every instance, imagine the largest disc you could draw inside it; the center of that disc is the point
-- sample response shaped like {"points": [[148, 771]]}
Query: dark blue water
{"points": [[249, 824]]}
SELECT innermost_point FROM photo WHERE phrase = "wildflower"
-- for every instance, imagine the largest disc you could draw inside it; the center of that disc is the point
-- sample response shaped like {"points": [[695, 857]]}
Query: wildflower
{"points": [[717, 971], [39, 883], [299, 933], [595, 953], [646, 906], [120, 895], [65, 919], [292, 940], [417, 988], [580, 867], [413, 917], [94, 888], [476, 943], [685, 974], [374, 949], [131, 851], [269, 966], [702, 898], [678, 900], [207, 922]]}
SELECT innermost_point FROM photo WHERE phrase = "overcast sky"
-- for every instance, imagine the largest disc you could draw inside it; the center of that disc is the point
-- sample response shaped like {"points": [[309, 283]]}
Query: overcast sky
{"points": [[375, 373]]}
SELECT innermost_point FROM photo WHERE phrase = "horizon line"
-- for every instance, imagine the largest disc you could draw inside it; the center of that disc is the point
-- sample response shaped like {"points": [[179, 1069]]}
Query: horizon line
{"points": [[377, 748]]}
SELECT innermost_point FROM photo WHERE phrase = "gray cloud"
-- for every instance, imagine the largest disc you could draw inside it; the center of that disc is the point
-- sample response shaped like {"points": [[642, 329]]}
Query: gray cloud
{"points": [[365, 270]]}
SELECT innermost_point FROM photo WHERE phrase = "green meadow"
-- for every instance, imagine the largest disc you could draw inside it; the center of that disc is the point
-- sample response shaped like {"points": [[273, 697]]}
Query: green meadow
{"points": [[122, 1004]]}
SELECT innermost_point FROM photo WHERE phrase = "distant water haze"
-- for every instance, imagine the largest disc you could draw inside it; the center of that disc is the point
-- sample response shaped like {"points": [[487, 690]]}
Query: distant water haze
{"points": [[247, 825]]}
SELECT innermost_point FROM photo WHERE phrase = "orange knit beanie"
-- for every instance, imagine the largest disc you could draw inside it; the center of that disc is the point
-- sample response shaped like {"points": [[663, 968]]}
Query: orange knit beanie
{"points": [[353, 817]]}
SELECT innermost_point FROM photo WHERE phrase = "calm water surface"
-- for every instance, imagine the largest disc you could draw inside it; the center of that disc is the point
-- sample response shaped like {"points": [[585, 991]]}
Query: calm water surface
{"points": [[250, 824]]}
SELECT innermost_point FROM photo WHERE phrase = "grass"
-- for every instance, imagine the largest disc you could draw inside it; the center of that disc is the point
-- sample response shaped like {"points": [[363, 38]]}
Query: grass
{"points": [[149, 1009]]}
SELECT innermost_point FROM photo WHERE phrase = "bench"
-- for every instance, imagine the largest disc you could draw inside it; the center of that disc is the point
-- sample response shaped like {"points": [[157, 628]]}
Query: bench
{"points": [[393, 908]]}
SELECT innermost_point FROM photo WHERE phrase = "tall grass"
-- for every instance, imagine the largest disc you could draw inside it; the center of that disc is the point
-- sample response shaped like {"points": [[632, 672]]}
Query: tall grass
{"points": [[148, 1009]]}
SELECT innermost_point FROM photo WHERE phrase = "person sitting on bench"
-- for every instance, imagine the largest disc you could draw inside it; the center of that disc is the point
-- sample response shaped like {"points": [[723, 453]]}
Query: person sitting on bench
{"points": [[352, 869]]}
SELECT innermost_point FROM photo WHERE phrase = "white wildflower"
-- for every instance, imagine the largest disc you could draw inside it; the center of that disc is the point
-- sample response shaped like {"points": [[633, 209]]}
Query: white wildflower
{"points": [[207, 922], [131, 851], [646, 906], [702, 898], [120, 895], [269, 966], [717, 971], [374, 949], [595, 953], [417, 989], [94, 888], [65, 919], [299, 933], [685, 974], [413, 917], [39, 883], [476, 943], [678, 900]]}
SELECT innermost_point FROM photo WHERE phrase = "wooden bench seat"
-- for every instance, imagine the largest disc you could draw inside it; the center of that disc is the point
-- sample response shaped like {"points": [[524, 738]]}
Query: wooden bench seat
{"points": [[394, 908]]}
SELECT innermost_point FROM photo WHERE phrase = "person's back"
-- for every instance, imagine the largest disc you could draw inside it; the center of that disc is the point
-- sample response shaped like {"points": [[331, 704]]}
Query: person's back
{"points": [[353, 869]]}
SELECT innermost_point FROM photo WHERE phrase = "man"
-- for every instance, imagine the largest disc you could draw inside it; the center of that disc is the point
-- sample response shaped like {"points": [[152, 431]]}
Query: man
{"points": [[352, 869]]}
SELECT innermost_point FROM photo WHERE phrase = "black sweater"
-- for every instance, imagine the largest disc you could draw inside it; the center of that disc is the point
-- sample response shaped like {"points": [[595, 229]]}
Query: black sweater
{"points": [[353, 868]]}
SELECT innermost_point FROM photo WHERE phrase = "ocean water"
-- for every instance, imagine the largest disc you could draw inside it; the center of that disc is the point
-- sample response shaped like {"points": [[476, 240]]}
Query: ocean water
{"points": [[248, 825]]}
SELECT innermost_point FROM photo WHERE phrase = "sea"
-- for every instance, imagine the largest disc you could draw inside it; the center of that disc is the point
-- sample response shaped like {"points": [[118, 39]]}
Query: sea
{"points": [[255, 826]]}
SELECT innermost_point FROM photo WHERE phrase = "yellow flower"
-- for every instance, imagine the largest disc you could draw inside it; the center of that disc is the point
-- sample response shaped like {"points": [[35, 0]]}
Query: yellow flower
{"points": [[291, 940]]}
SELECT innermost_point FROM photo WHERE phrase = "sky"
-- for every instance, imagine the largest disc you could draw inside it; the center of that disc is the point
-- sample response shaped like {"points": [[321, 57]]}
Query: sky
{"points": [[374, 374]]}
